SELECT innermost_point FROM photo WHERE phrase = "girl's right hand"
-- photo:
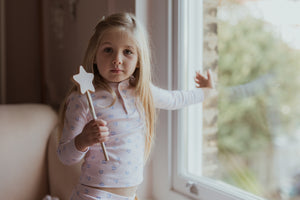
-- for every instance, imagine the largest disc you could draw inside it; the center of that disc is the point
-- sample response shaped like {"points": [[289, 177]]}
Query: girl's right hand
{"points": [[93, 132]]}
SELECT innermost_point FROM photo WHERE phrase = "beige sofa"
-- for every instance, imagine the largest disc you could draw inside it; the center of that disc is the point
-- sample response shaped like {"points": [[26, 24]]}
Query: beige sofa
{"points": [[29, 166]]}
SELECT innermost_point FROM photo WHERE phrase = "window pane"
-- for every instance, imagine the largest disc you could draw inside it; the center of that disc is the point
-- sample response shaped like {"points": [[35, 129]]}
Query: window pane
{"points": [[259, 111]]}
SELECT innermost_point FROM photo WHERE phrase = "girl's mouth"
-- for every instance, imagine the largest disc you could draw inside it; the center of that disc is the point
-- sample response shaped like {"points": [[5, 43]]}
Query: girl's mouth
{"points": [[116, 71]]}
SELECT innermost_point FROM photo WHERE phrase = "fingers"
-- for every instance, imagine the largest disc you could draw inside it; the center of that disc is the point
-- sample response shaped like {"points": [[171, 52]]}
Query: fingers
{"points": [[104, 131], [95, 131], [98, 125], [199, 79], [101, 122], [208, 74], [103, 128], [202, 81], [103, 137], [97, 122], [199, 75]]}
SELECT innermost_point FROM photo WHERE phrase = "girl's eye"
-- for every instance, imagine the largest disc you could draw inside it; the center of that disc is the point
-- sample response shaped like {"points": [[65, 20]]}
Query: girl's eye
{"points": [[128, 52], [107, 50]]}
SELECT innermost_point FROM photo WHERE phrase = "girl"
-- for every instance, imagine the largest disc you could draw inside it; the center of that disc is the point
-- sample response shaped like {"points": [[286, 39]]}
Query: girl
{"points": [[125, 101]]}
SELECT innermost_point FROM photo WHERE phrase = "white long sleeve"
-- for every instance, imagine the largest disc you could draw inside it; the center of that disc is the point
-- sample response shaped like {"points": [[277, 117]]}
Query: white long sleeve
{"points": [[175, 99]]}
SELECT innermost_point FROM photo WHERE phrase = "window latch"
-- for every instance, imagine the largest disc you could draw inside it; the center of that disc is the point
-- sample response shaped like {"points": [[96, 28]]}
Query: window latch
{"points": [[193, 187]]}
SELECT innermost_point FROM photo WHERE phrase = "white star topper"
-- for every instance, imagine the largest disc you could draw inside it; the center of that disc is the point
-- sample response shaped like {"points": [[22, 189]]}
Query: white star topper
{"points": [[85, 80]]}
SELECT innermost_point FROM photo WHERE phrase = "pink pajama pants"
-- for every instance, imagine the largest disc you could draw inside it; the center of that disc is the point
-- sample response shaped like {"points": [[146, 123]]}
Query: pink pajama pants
{"points": [[81, 192]]}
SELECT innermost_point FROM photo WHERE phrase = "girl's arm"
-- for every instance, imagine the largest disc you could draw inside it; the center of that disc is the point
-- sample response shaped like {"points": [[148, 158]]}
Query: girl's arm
{"points": [[176, 99], [74, 122], [80, 131]]}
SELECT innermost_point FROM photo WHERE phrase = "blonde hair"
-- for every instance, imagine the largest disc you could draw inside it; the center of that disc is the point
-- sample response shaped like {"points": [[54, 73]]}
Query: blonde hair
{"points": [[142, 74]]}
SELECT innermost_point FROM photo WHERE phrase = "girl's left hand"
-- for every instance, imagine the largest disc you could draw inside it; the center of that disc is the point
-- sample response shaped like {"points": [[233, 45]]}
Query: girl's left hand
{"points": [[204, 82]]}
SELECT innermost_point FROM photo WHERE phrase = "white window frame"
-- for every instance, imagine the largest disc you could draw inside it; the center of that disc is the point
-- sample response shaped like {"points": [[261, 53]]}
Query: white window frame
{"points": [[168, 182], [185, 15]]}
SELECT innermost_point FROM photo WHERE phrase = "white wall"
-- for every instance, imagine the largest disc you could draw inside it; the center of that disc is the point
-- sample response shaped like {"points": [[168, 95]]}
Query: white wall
{"points": [[158, 16]]}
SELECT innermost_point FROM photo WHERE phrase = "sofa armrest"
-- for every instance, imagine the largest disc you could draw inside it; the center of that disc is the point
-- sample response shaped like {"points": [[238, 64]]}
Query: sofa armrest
{"points": [[24, 133]]}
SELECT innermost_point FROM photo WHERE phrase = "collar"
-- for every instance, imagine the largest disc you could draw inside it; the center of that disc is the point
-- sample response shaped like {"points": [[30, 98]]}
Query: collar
{"points": [[115, 85]]}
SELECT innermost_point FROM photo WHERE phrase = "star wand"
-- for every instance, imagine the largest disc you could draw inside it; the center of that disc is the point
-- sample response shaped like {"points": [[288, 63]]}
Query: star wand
{"points": [[85, 82]]}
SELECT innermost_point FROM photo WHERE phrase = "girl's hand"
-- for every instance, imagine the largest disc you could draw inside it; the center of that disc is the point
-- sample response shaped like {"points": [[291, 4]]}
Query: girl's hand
{"points": [[93, 132], [202, 81]]}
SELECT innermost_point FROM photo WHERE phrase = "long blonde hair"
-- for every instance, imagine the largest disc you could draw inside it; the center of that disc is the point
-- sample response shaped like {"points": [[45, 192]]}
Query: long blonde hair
{"points": [[142, 75]]}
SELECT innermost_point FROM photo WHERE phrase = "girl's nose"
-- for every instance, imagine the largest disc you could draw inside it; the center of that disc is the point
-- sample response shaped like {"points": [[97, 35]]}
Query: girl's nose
{"points": [[117, 60]]}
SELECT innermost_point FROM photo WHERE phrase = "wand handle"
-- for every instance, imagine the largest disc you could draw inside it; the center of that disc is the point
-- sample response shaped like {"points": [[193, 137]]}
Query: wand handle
{"points": [[92, 109]]}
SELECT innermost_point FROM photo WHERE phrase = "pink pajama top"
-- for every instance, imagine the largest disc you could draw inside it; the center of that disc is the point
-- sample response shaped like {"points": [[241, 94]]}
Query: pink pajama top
{"points": [[126, 143]]}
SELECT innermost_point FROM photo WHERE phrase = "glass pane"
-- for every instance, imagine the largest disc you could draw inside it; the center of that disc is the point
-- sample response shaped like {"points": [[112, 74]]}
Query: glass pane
{"points": [[259, 83]]}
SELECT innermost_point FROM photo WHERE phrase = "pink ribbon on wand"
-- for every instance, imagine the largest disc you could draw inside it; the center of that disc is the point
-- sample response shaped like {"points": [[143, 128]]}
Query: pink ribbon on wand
{"points": [[85, 82]]}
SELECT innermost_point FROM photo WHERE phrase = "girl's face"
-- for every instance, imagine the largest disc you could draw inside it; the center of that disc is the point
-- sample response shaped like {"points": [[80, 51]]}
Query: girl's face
{"points": [[117, 55]]}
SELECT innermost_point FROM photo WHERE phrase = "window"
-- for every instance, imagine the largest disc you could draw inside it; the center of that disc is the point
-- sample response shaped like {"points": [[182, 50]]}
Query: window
{"points": [[176, 175], [259, 102], [188, 175], [258, 136], [179, 157]]}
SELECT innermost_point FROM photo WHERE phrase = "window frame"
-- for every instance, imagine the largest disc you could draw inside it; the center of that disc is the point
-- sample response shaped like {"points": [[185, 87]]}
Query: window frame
{"points": [[183, 58], [164, 162]]}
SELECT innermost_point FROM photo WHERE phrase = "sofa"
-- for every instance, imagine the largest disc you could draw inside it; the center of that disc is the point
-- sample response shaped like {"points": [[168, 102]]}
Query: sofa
{"points": [[30, 169]]}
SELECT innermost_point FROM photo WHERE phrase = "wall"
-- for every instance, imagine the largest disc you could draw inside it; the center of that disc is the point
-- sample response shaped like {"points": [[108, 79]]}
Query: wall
{"points": [[45, 43], [68, 29], [22, 51], [2, 52]]}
